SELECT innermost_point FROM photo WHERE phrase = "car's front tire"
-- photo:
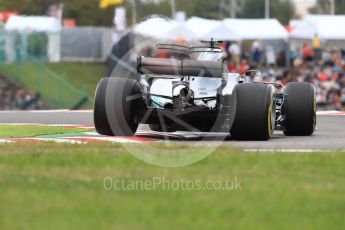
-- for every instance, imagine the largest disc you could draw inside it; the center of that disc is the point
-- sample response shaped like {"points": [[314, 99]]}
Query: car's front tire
{"points": [[255, 112], [114, 107], [300, 109]]}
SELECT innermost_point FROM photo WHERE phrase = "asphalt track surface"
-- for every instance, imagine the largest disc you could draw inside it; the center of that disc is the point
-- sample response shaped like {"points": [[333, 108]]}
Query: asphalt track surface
{"points": [[330, 133]]}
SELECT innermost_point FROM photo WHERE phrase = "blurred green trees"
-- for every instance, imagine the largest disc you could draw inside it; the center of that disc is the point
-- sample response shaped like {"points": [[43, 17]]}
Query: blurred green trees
{"points": [[283, 10], [87, 12], [324, 7]]}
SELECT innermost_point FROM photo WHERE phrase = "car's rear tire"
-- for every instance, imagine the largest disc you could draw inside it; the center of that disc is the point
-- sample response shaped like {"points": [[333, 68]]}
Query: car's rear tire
{"points": [[300, 109], [114, 111], [255, 112]]}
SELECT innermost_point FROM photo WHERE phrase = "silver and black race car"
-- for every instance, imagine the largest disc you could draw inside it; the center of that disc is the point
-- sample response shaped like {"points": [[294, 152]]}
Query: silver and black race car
{"points": [[194, 91]]}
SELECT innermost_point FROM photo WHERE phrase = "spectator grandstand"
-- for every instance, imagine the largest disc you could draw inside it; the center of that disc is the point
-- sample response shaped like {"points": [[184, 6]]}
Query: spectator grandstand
{"points": [[15, 97]]}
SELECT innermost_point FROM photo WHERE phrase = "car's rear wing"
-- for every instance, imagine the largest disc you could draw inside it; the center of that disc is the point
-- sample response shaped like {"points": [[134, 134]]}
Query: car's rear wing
{"points": [[174, 67]]}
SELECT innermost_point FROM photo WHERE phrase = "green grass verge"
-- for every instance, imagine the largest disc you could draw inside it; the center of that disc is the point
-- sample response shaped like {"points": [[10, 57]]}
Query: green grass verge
{"points": [[82, 76], [19, 131], [57, 186]]}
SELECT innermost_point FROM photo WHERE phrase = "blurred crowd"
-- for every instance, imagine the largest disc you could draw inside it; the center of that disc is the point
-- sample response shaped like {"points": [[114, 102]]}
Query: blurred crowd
{"points": [[14, 97], [323, 67]]}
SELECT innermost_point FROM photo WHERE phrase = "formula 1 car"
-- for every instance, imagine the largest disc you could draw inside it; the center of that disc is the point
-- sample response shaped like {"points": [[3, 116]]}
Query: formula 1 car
{"points": [[195, 92]]}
